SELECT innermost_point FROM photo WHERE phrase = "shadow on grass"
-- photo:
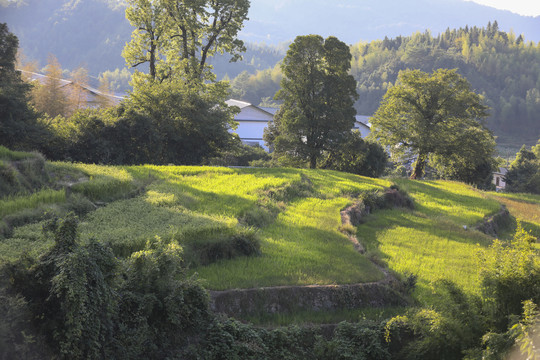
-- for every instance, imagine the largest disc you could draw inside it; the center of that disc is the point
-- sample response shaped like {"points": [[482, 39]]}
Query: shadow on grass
{"points": [[444, 198], [386, 220]]}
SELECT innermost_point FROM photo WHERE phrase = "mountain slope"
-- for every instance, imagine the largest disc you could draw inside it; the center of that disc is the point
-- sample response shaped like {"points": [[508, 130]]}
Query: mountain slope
{"points": [[93, 32]]}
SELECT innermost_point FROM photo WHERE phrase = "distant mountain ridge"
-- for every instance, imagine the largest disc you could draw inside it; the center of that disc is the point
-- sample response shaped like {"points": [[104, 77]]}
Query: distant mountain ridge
{"points": [[93, 32], [275, 21]]}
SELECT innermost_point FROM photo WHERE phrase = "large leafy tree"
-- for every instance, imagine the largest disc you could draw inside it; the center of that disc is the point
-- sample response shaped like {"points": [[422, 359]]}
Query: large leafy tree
{"points": [[434, 115], [177, 37], [179, 96], [318, 96], [190, 121], [18, 125]]}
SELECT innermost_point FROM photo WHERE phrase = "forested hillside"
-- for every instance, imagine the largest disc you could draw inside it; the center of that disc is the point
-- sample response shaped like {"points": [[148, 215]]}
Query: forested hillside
{"points": [[94, 32], [502, 67]]}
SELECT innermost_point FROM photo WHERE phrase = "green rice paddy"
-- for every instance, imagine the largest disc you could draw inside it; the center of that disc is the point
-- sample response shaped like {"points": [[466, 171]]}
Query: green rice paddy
{"points": [[301, 245]]}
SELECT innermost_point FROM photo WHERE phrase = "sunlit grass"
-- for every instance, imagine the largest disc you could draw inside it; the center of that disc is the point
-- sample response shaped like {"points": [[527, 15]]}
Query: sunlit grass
{"points": [[529, 198], [449, 200], [431, 241], [8, 154], [303, 247], [14, 204]]}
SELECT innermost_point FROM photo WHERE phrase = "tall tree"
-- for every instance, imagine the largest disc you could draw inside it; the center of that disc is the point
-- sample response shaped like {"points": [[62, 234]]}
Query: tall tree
{"points": [[430, 114], [50, 97], [17, 120], [318, 96], [77, 94], [148, 39], [177, 37]]}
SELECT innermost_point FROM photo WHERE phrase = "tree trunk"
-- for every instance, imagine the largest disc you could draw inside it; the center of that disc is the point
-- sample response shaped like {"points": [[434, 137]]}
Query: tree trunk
{"points": [[313, 162], [153, 60], [419, 166]]}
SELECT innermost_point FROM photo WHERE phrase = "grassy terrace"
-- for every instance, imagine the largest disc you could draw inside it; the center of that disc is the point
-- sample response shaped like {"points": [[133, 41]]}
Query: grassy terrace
{"points": [[300, 245], [431, 242], [181, 203]]}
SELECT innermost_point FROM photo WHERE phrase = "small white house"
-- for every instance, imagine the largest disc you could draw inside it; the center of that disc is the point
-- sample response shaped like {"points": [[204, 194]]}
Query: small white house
{"points": [[252, 120], [362, 124], [498, 178]]}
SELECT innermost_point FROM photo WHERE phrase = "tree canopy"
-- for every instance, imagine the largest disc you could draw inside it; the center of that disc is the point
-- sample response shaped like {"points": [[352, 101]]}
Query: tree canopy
{"points": [[433, 114], [177, 37], [318, 96]]}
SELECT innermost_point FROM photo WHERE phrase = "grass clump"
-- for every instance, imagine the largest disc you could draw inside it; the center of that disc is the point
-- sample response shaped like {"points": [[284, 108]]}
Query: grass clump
{"points": [[14, 204], [105, 183], [21, 172], [12, 155]]}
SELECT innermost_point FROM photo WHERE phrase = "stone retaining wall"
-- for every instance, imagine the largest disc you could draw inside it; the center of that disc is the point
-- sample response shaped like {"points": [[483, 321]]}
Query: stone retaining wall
{"points": [[286, 299]]}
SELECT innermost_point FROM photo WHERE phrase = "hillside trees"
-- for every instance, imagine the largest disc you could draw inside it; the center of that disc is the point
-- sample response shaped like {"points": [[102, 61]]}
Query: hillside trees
{"points": [[499, 65], [504, 69], [433, 114], [18, 126], [318, 96]]}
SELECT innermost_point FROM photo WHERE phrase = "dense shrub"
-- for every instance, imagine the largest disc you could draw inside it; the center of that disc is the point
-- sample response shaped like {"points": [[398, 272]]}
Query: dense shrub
{"points": [[445, 331], [524, 172], [74, 298], [357, 156], [159, 308], [358, 341], [69, 293], [240, 155]]}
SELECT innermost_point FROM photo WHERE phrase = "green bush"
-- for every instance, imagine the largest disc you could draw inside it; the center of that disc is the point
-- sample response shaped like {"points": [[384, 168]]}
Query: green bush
{"points": [[258, 216], [445, 331], [524, 172], [226, 245], [357, 156], [240, 155], [85, 304], [358, 341], [510, 274]]}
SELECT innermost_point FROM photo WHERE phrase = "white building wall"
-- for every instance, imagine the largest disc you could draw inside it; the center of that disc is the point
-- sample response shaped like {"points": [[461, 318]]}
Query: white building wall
{"points": [[362, 128], [251, 132]]}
